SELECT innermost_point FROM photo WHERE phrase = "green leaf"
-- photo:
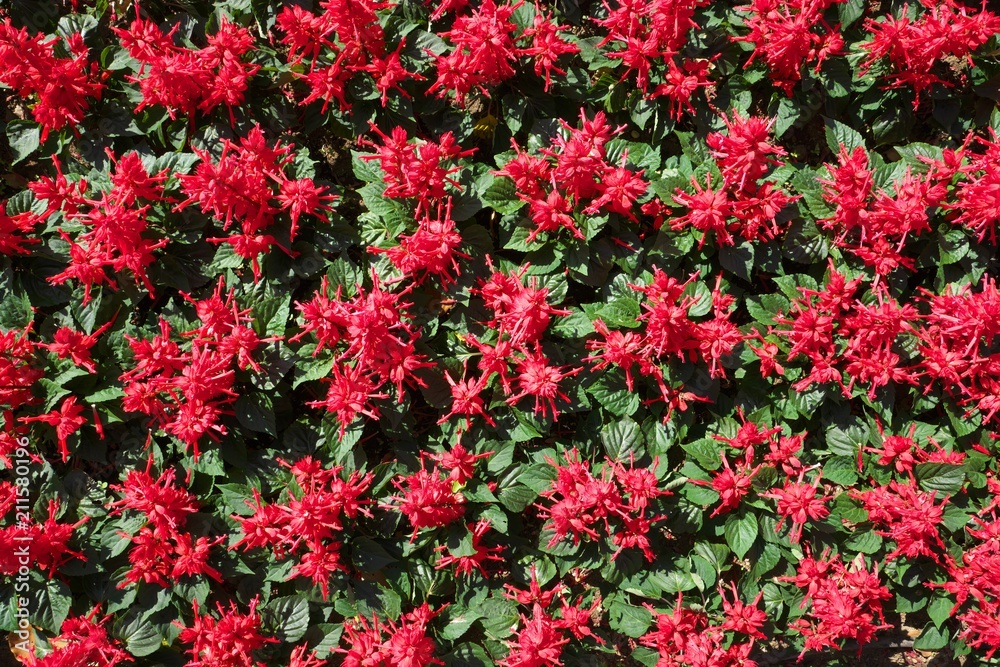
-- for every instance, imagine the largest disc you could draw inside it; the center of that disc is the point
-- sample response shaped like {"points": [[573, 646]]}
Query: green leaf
{"points": [[805, 243], [50, 605], [850, 12], [838, 134], [737, 259], [932, 638], [498, 617], [287, 617], [515, 498], [705, 451], [647, 656], [502, 197], [622, 440], [940, 477], [785, 112], [365, 170], [468, 655], [255, 412], [457, 624], [703, 299], [23, 137], [622, 312], [845, 439], [617, 400], [368, 555], [939, 609], [72, 24], [841, 470], [331, 633], [15, 309], [141, 636], [763, 563], [575, 325], [867, 542], [628, 619], [741, 533]]}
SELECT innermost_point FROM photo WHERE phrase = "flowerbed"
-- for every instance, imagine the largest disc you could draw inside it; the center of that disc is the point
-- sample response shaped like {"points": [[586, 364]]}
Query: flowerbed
{"points": [[632, 332]]}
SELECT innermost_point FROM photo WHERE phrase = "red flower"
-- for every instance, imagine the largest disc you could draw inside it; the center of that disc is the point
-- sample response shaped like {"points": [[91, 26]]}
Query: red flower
{"points": [[845, 602], [538, 643], [228, 641], [708, 211], [538, 379], [47, 543], [64, 86], [731, 486], [798, 501], [746, 619], [66, 420], [911, 518], [69, 343], [784, 36], [547, 46], [618, 501], [484, 51], [464, 565], [165, 504], [427, 500], [408, 644], [620, 349], [83, 641], [460, 461]]}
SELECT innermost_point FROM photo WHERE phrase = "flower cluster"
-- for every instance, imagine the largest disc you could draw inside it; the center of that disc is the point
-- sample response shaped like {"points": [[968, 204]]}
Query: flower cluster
{"points": [[340, 41], [381, 643], [670, 333], [374, 342], [248, 185], [844, 601], [619, 501], [422, 171], [46, 542], [784, 35], [956, 337], [18, 374], [910, 515], [84, 641], [798, 501], [539, 640], [227, 641], [63, 86], [187, 387], [838, 333], [486, 52], [308, 526], [645, 36], [187, 81], [521, 314], [418, 170], [119, 232], [163, 551], [573, 176], [684, 636], [873, 223], [913, 47], [429, 500], [741, 204]]}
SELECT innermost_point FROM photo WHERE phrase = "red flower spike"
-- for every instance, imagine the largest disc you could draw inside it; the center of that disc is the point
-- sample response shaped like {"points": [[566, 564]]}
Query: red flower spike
{"points": [[227, 641], [427, 500]]}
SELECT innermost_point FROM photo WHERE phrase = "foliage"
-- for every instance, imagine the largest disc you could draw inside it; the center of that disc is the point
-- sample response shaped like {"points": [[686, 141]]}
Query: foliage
{"points": [[465, 333]]}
